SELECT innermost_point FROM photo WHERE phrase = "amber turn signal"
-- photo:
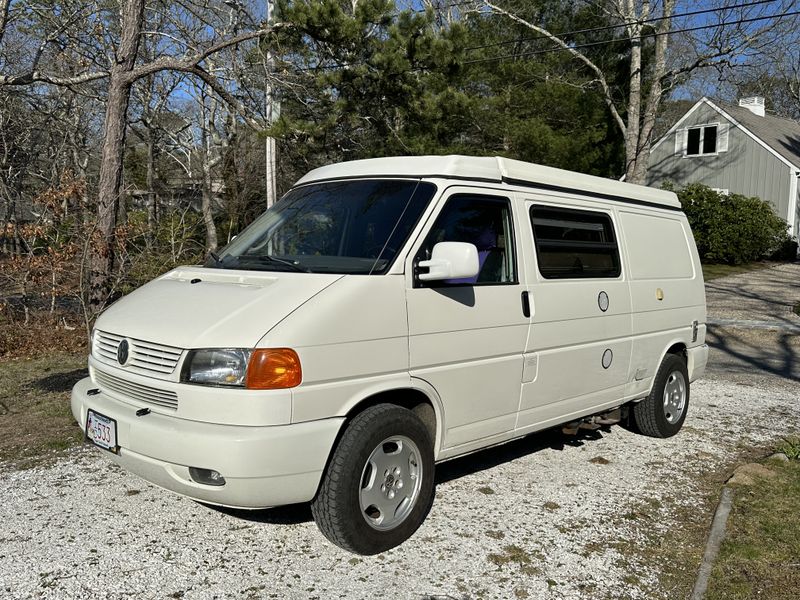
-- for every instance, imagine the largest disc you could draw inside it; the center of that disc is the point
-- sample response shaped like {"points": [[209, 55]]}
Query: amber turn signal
{"points": [[273, 368]]}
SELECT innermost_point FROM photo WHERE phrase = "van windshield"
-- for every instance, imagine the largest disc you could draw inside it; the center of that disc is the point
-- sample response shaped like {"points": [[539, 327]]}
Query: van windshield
{"points": [[355, 226]]}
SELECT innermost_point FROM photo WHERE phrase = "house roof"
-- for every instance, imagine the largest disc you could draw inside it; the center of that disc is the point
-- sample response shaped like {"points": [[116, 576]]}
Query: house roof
{"points": [[782, 135], [492, 169]]}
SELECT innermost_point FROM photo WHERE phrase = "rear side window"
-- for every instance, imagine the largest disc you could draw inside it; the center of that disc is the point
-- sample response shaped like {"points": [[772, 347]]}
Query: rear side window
{"points": [[574, 244]]}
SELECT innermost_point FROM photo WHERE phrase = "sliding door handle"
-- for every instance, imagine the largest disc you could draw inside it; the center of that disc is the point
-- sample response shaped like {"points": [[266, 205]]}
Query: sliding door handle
{"points": [[526, 305]]}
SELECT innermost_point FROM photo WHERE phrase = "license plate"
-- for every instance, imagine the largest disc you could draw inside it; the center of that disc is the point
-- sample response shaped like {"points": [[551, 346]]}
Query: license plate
{"points": [[101, 431]]}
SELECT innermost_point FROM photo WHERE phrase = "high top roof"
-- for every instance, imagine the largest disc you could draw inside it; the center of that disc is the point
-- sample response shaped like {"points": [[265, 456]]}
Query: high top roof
{"points": [[494, 169]]}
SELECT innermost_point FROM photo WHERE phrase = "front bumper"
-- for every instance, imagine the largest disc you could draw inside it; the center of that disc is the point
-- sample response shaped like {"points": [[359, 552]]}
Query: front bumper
{"points": [[263, 466]]}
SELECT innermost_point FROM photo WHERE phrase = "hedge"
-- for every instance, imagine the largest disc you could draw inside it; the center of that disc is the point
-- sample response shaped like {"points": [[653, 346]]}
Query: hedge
{"points": [[732, 229]]}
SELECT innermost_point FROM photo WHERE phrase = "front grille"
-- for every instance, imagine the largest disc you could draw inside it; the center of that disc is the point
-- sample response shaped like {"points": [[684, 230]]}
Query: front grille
{"points": [[144, 356], [136, 391]]}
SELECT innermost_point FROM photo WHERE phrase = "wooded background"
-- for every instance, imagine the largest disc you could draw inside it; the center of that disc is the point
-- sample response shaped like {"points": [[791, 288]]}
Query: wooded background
{"points": [[136, 135]]}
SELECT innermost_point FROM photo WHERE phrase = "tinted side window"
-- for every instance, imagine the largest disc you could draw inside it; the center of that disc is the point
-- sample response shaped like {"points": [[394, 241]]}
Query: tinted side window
{"points": [[573, 244], [485, 222]]}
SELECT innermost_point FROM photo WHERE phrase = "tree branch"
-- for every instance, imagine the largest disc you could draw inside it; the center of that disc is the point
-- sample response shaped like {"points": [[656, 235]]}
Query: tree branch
{"points": [[39, 77], [4, 7], [168, 63], [609, 100]]}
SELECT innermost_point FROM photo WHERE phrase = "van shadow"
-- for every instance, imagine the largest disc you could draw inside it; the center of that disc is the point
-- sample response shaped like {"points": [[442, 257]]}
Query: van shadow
{"points": [[291, 514], [61, 382], [554, 439], [492, 457]]}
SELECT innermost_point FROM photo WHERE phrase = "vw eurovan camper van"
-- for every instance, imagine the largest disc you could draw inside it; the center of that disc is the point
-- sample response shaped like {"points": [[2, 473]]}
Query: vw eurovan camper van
{"points": [[389, 314]]}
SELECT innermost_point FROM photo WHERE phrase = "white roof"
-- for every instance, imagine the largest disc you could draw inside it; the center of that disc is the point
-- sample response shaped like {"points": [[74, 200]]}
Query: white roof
{"points": [[492, 169]]}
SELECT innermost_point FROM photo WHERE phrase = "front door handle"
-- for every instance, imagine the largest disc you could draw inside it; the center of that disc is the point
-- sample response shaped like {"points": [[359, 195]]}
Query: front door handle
{"points": [[526, 305]]}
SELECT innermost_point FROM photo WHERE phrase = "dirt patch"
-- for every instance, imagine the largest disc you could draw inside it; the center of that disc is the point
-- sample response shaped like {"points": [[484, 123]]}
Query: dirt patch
{"points": [[749, 473]]}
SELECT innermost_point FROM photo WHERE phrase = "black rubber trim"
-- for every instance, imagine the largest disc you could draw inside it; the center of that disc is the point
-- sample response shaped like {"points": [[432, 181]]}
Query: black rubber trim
{"points": [[398, 176], [510, 181], [588, 194]]}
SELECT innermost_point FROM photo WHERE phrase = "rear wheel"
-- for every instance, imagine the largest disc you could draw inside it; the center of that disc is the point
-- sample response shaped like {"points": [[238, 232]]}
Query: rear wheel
{"points": [[663, 412], [378, 487]]}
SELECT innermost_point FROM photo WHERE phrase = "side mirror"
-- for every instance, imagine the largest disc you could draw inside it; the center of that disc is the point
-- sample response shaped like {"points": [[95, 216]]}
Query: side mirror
{"points": [[451, 260]]}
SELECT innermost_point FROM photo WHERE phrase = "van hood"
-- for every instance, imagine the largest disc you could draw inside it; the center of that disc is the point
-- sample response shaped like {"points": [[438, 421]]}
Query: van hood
{"points": [[197, 307]]}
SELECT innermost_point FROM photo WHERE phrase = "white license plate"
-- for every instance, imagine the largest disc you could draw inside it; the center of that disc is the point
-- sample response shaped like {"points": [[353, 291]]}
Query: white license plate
{"points": [[101, 431]]}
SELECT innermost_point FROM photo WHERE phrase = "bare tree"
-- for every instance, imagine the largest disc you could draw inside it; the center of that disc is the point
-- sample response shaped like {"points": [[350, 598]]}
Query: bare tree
{"points": [[642, 21]]}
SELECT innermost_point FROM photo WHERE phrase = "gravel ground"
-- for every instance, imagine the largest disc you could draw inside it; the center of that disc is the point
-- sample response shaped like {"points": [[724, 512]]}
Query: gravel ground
{"points": [[533, 518], [763, 296], [544, 517]]}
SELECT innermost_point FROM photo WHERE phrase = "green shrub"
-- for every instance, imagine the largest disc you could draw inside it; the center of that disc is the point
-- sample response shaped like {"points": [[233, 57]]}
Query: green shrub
{"points": [[731, 229]]}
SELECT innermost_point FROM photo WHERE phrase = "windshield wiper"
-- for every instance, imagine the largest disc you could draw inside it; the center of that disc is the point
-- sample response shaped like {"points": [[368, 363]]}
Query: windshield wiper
{"points": [[213, 256], [266, 258]]}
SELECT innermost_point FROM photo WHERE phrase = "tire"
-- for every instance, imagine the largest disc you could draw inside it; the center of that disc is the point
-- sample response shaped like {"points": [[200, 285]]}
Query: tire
{"points": [[663, 412], [379, 483]]}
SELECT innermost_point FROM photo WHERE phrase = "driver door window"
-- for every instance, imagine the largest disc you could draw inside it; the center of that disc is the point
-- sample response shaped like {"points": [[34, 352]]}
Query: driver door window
{"points": [[484, 222]]}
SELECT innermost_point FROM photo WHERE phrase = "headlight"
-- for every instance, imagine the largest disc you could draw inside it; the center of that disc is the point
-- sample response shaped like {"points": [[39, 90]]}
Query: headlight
{"points": [[217, 366]]}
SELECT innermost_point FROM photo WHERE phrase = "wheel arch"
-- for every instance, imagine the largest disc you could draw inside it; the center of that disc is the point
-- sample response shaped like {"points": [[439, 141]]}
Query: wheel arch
{"points": [[416, 395], [677, 347]]}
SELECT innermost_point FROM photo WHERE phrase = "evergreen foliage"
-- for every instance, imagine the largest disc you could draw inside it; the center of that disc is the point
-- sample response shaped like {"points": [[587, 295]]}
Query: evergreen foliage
{"points": [[378, 83]]}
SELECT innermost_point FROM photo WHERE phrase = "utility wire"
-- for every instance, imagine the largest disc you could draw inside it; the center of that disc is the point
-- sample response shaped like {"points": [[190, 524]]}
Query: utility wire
{"points": [[614, 41], [585, 45], [624, 24]]}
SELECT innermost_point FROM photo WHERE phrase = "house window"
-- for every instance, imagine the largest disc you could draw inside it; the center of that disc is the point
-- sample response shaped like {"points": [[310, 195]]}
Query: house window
{"points": [[701, 140]]}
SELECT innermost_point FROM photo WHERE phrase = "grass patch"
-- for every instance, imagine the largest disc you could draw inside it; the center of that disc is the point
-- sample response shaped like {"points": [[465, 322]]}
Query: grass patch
{"points": [[790, 446], [35, 418], [674, 554], [513, 554], [716, 271], [760, 557]]}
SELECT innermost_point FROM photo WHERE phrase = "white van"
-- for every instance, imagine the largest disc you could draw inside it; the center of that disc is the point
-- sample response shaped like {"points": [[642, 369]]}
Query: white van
{"points": [[388, 314]]}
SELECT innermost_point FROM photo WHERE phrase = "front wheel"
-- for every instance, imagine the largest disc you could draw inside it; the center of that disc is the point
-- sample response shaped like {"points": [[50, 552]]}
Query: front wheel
{"points": [[378, 487], [663, 412]]}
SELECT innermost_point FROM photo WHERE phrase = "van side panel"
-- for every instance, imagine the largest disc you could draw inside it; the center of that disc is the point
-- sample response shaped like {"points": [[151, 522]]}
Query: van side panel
{"points": [[578, 352], [667, 292]]}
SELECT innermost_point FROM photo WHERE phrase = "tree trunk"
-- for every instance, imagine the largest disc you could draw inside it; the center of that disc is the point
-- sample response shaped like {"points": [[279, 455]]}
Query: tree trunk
{"points": [[639, 173], [634, 108], [151, 192], [119, 89], [208, 214], [207, 186]]}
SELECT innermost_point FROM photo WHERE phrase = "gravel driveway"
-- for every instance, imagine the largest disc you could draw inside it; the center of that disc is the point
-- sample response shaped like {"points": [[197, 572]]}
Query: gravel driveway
{"points": [[544, 517]]}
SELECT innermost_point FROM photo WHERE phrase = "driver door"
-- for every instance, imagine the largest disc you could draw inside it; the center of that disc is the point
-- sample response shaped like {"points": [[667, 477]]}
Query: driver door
{"points": [[467, 336]]}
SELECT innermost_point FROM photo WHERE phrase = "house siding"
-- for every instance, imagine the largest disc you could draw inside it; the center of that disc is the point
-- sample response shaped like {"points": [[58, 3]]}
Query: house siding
{"points": [[746, 168]]}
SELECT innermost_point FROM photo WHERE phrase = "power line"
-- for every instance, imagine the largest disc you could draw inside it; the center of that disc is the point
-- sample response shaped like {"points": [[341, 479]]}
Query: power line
{"points": [[579, 46], [623, 24], [614, 41]]}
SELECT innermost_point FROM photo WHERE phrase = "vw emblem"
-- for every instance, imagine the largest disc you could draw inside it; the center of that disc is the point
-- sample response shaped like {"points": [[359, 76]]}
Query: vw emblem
{"points": [[122, 352]]}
